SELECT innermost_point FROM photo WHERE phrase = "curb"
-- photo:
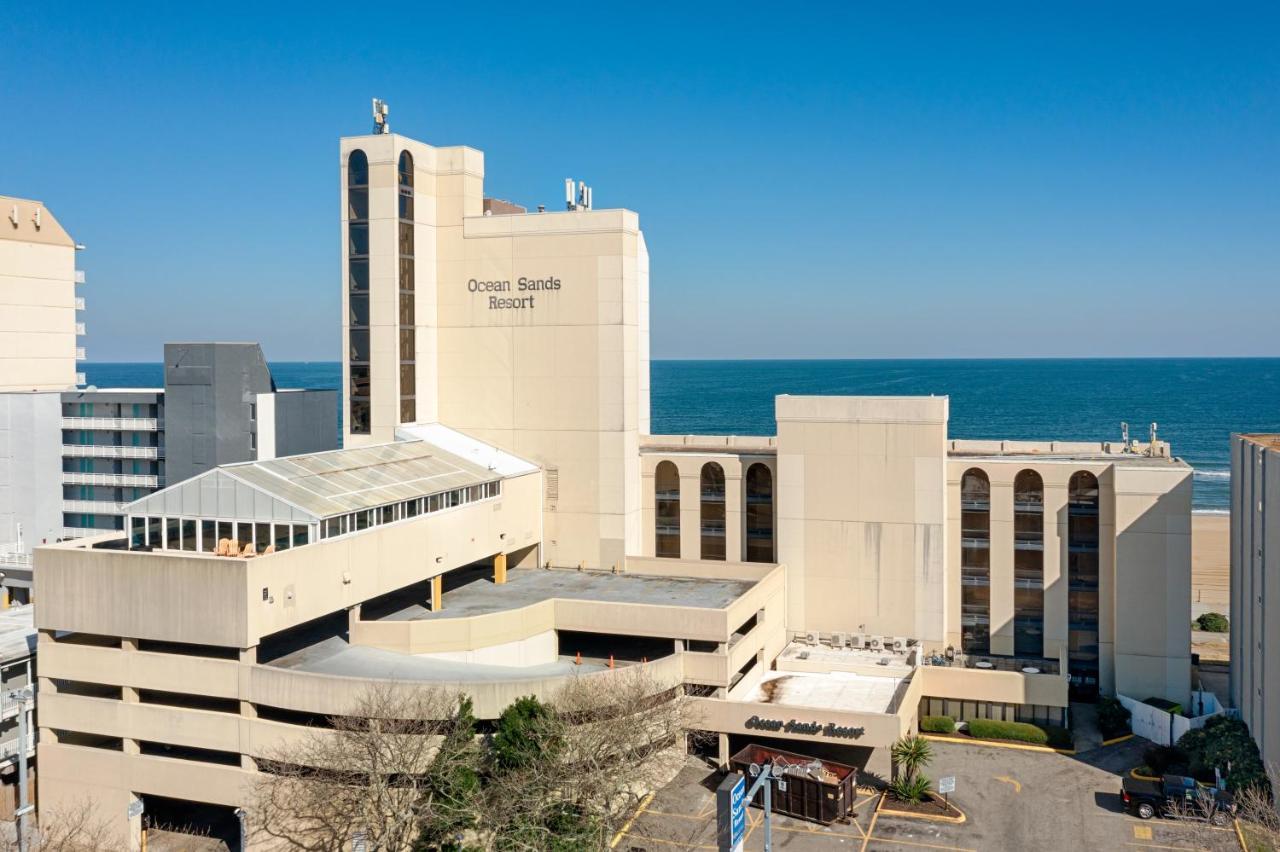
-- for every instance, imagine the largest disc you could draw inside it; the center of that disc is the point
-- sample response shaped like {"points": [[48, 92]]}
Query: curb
{"points": [[1115, 740], [1240, 835], [881, 809], [1135, 774], [622, 832], [994, 744]]}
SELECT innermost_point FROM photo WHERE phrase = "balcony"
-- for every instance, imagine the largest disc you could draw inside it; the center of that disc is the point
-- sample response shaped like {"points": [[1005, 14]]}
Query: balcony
{"points": [[103, 451], [80, 379], [93, 507], [80, 329], [79, 276], [80, 353], [114, 480], [117, 424], [81, 532], [79, 303]]}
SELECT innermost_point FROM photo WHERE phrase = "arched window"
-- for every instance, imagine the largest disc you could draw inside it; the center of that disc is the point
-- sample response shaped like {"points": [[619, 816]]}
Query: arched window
{"points": [[712, 511], [1082, 584], [975, 562], [1028, 564], [666, 481], [759, 514], [408, 332], [358, 382]]}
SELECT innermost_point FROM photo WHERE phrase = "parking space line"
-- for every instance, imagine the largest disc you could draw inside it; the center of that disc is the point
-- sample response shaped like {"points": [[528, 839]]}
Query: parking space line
{"points": [[1158, 846], [677, 843], [871, 830], [644, 803], [919, 845]]}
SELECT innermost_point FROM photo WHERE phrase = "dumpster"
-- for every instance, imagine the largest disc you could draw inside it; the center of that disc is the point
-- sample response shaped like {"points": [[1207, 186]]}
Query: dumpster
{"points": [[821, 791]]}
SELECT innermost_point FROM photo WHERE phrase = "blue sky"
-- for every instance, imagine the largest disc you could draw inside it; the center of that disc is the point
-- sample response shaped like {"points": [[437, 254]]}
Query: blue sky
{"points": [[899, 180]]}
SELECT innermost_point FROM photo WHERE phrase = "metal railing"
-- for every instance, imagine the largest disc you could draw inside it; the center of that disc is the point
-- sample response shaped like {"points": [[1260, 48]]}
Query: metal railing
{"points": [[137, 424], [11, 557], [80, 329], [80, 353], [94, 507], [79, 303], [81, 532], [75, 477], [79, 276], [107, 451]]}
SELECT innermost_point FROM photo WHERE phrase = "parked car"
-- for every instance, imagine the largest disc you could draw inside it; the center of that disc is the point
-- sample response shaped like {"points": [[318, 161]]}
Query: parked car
{"points": [[1177, 796]]}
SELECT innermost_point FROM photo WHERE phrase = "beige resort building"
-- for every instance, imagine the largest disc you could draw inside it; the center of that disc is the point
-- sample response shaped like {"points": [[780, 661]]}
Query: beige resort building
{"points": [[501, 519]]}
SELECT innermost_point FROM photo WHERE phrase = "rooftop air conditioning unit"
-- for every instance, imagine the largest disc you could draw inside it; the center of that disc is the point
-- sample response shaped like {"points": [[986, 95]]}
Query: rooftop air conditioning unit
{"points": [[858, 640], [873, 642], [838, 640], [899, 643], [811, 638]]}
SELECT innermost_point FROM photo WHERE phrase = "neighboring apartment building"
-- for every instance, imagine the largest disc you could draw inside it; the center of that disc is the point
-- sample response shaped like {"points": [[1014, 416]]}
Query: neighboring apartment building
{"points": [[17, 672], [1255, 588], [816, 590]]}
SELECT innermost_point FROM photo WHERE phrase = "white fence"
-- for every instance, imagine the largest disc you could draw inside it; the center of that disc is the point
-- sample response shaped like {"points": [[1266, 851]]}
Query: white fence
{"points": [[1164, 728]]}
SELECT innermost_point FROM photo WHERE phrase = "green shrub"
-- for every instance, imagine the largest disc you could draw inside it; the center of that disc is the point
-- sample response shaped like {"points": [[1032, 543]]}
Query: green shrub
{"points": [[1113, 717], [1220, 742], [1059, 737], [913, 788], [990, 729], [937, 724], [1164, 760], [1213, 622]]}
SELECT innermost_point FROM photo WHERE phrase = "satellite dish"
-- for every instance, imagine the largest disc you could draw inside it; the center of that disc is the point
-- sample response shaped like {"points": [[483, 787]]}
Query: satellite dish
{"points": [[754, 769]]}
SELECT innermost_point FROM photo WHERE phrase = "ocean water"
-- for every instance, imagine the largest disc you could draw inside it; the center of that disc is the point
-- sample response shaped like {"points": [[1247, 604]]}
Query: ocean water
{"points": [[1197, 402]]}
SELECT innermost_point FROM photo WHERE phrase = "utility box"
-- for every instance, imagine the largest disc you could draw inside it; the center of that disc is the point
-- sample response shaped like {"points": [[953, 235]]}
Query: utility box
{"points": [[821, 791]]}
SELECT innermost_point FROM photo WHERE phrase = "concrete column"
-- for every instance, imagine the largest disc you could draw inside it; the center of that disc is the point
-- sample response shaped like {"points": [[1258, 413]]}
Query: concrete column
{"points": [[247, 710], [249, 655], [129, 695], [128, 644], [1001, 566], [437, 593], [724, 751], [690, 510], [353, 615], [1056, 623], [248, 764], [735, 536], [500, 569]]}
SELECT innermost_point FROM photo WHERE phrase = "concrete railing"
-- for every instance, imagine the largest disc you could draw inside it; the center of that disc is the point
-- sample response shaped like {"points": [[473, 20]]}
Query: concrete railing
{"points": [[104, 451], [137, 424], [71, 477], [94, 507]]}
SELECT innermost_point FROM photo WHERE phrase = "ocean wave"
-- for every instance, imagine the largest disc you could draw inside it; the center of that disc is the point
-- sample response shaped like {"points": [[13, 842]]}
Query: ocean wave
{"points": [[1211, 511], [1212, 474]]}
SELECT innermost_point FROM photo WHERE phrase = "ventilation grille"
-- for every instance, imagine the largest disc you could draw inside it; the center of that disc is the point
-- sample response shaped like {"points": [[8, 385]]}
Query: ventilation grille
{"points": [[551, 475]]}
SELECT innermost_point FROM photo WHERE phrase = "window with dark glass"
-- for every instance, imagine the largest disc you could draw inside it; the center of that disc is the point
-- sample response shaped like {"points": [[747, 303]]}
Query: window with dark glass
{"points": [[711, 511], [1028, 564], [1082, 584], [408, 387], [359, 412], [975, 562], [759, 513], [666, 480]]}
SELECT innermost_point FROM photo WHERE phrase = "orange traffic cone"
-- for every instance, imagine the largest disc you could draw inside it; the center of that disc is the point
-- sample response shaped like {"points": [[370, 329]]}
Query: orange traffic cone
{"points": [[611, 661], [577, 660]]}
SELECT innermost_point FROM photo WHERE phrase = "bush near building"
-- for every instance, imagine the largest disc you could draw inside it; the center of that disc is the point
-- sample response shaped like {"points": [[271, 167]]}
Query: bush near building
{"points": [[1222, 742], [1113, 718], [1212, 622], [991, 729], [937, 724]]}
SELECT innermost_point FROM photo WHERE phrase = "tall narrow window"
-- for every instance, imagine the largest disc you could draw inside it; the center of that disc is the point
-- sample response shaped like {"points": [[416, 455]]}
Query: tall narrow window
{"points": [[712, 511], [975, 562], [408, 343], [358, 387], [666, 480], [759, 514], [1028, 564], [1082, 584]]}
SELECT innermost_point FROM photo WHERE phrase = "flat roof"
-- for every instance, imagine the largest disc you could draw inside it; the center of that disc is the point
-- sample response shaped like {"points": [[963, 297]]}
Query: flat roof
{"points": [[1269, 440], [894, 663], [847, 691], [527, 586]]}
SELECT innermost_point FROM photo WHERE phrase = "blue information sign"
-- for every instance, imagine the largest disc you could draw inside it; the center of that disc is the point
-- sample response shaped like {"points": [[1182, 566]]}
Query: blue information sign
{"points": [[731, 813]]}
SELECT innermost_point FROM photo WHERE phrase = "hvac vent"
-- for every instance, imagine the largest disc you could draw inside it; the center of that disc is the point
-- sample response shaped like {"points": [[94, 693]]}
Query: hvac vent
{"points": [[551, 475]]}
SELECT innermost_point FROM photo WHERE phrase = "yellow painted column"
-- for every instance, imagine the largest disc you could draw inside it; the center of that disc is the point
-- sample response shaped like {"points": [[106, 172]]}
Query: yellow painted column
{"points": [[500, 569], [437, 593]]}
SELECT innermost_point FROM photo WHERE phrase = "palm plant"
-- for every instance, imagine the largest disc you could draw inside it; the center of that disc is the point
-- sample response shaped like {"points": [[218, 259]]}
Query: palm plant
{"points": [[910, 789], [911, 754]]}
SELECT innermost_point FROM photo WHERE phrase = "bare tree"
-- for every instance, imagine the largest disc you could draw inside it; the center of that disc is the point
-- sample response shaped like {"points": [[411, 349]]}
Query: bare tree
{"points": [[1254, 808], [400, 763], [606, 741], [72, 828]]}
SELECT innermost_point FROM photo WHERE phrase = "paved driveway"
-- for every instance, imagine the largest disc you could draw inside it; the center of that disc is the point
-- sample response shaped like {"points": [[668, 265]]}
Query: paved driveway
{"points": [[1015, 800]]}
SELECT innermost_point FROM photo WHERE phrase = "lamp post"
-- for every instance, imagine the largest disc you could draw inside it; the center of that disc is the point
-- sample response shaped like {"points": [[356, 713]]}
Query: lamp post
{"points": [[24, 697]]}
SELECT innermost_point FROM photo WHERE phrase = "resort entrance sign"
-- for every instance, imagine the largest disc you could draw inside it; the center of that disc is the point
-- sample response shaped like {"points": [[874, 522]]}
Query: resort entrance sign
{"points": [[810, 729], [530, 287]]}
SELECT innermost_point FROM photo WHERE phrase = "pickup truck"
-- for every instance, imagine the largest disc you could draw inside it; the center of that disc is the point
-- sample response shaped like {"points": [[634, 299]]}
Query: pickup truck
{"points": [[1177, 796]]}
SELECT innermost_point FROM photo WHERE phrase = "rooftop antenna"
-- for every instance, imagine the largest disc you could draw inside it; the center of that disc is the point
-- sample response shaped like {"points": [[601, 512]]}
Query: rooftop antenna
{"points": [[380, 110], [1124, 433], [1154, 440], [569, 202]]}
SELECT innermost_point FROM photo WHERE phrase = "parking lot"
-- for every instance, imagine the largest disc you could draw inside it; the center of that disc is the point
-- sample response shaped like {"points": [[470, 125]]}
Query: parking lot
{"points": [[1013, 800]]}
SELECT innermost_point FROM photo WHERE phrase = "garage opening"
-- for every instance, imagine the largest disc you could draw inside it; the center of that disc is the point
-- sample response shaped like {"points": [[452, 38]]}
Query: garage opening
{"points": [[174, 824]]}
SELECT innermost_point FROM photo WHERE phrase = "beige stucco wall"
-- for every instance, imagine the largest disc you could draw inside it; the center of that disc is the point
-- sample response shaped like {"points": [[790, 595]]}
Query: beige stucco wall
{"points": [[861, 513], [37, 299]]}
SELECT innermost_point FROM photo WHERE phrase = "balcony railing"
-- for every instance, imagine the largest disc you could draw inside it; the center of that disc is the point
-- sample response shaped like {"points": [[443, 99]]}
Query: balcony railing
{"points": [[80, 353], [80, 379], [117, 480], [79, 276], [105, 451], [79, 303], [118, 424], [93, 507], [80, 329], [81, 532], [11, 557]]}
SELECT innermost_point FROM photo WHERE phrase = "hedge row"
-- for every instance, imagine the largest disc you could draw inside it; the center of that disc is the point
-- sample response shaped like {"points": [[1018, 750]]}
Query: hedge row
{"points": [[937, 724], [990, 729]]}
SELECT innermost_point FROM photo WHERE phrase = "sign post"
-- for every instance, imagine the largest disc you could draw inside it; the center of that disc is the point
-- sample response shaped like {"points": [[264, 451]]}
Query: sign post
{"points": [[731, 813], [947, 786]]}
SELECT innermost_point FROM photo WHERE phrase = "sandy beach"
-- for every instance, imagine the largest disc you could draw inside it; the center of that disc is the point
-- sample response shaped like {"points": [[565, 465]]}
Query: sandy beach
{"points": [[1210, 563]]}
